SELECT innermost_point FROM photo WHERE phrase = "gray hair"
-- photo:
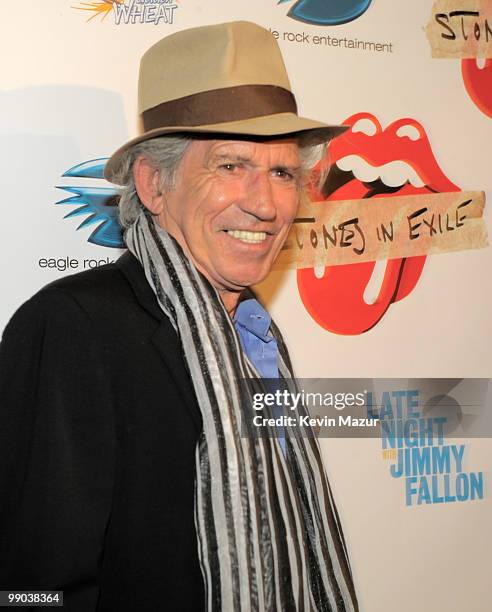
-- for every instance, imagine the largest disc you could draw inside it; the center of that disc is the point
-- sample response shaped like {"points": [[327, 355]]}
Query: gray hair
{"points": [[166, 153]]}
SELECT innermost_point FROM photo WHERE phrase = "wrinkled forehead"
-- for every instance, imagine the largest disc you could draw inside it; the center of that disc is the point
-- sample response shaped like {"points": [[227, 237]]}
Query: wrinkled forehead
{"points": [[281, 150]]}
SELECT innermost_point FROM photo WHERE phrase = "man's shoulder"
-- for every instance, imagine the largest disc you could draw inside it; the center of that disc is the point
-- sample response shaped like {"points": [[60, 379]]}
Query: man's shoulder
{"points": [[93, 291], [113, 291], [91, 287]]}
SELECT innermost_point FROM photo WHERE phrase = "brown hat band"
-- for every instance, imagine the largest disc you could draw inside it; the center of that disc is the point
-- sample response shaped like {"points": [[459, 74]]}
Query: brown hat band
{"points": [[221, 106]]}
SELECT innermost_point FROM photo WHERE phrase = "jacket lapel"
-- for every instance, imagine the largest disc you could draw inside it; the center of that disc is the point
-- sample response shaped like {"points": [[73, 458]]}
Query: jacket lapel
{"points": [[165, 338]]}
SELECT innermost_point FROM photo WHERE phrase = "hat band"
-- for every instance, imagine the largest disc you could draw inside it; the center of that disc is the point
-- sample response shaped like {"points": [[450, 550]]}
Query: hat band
{"points": [[220, 106]]}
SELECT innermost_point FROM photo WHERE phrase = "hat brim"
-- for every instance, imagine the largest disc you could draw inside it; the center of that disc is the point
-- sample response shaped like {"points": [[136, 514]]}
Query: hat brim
{"points": [[280, 124]]}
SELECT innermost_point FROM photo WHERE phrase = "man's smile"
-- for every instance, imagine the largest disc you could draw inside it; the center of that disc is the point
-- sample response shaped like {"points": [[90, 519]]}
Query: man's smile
{"points": [[247, 236], [232, 206]]}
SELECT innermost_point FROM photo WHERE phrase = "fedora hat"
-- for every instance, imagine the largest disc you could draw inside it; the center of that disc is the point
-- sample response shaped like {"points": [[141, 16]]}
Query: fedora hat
{"points": [[228, 78]]}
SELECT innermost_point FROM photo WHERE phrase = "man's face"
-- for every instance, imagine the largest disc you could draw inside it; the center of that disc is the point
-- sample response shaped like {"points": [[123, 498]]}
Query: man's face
{"points": [[232, 207]]}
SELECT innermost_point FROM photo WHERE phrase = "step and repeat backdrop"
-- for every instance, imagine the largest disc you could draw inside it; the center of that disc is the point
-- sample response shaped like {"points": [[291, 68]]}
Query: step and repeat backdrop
{"points": [[390, 277]]}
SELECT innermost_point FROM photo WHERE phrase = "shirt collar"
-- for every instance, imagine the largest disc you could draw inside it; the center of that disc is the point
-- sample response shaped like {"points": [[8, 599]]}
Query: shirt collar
{"points": [[251, 315]]}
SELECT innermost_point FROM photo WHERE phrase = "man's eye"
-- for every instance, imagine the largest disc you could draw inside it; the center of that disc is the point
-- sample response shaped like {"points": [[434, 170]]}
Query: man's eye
{"points": [[229, 167], [283, 174]]}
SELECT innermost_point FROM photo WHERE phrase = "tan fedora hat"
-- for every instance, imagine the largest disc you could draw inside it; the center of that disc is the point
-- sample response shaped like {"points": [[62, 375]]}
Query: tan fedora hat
{"points": [[228, 78]]}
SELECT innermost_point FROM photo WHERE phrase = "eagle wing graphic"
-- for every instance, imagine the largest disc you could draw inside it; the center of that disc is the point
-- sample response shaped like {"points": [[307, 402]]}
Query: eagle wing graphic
{"points": [[98, 204], [327, 12]]}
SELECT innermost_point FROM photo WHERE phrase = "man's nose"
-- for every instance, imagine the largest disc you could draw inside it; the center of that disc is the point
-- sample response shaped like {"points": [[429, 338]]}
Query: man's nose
{"points": [[259, 199]]}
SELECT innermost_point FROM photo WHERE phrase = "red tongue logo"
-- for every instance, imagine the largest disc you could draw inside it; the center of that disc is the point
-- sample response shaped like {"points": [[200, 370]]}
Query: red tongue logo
{"points": [[369, 162], [478, 83]]}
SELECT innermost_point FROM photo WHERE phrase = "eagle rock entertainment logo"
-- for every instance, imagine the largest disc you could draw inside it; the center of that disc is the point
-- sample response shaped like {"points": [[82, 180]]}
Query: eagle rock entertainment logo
{"points": [[98, 205], [131, 11], [327, 12]]}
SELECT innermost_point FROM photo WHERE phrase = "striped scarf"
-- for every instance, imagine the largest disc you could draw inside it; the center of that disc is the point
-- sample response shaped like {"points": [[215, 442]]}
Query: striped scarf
{"points": [[269, 537]]}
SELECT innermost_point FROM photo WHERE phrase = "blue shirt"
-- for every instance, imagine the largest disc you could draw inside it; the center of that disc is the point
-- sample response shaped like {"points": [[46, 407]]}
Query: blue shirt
{"points": [[253, 322]]}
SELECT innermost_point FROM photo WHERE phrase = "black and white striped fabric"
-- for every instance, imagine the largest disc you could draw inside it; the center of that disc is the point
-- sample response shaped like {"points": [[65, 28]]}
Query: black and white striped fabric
{"points": [[269, 537]]}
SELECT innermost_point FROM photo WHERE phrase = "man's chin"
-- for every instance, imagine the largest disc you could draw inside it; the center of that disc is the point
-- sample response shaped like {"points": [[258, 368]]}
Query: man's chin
{"points": [[240, 282], [248, 280]]}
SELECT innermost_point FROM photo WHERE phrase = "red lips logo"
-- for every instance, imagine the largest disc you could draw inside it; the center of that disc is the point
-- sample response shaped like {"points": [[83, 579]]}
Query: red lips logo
{"points": [[369, 162], [478, 83]]}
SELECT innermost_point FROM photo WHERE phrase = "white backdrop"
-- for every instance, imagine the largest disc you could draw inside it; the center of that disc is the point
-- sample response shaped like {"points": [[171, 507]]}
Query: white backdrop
{"points": [[69, 96]]}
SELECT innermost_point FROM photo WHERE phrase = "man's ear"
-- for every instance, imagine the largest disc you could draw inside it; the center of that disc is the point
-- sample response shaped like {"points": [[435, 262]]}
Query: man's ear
{"points": [[146, 178]]}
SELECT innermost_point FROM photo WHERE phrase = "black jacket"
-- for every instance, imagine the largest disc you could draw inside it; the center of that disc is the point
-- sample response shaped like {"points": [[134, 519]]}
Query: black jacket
{"points": [[98, 429]]}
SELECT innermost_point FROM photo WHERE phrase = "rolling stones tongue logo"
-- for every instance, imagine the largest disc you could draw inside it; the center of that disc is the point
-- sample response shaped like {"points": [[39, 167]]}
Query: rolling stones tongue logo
{"points": [[369, 162], [478, 83]]}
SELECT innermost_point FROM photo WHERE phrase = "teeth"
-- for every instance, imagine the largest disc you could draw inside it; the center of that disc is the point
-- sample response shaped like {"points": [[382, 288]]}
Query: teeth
{"points": [[249, 237], [350, 162], [397, 173], [393, 174]]}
